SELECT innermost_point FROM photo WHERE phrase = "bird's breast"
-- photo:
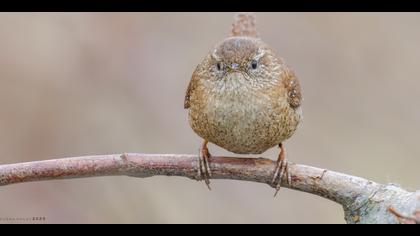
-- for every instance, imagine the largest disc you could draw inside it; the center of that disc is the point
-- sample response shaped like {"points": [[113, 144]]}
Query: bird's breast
{"points": [[237, 109], [242, 121]]}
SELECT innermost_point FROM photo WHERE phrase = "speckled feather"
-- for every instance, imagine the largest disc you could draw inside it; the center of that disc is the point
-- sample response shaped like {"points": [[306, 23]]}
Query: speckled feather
{"points": [[241, 109]]}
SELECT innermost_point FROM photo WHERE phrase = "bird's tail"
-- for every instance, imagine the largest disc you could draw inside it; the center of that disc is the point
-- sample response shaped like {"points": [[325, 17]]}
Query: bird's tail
{"points": [[244, 24]]}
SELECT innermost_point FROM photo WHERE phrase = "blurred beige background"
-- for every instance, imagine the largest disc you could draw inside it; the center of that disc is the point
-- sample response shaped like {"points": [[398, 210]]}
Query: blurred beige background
{"points": [[98, 83]]}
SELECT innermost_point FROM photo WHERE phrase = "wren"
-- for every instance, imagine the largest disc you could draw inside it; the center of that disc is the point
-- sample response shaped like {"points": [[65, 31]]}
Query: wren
{"points": [[244, 98]]}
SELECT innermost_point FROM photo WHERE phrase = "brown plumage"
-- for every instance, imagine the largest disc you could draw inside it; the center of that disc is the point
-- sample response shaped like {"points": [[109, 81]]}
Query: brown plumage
{"points": [[242, 96]]}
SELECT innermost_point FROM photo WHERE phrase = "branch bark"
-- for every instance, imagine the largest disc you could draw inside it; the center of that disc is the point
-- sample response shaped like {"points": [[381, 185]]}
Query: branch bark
{"points": [[363, 201]]}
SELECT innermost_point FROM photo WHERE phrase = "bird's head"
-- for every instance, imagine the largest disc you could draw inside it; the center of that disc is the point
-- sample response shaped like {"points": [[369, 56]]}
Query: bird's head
{"points": [[241, 62]]}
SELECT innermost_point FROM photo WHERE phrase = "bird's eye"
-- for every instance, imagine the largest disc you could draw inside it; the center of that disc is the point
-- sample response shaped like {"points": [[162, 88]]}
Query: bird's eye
{"points": [[219, 66], [254, 64]]}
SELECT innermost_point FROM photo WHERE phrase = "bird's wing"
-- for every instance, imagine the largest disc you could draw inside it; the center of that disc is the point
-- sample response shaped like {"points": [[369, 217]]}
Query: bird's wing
{"points": [[187, 95], [292, 85], [193, 82]]}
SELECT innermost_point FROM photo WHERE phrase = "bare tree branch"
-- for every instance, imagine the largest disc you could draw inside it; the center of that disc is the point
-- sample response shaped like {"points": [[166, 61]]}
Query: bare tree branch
{"points": [[363, 201]]}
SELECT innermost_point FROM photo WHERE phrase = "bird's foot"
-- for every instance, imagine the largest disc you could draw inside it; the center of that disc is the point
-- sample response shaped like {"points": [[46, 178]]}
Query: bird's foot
{"points": [[204, 172], [281, 171]]}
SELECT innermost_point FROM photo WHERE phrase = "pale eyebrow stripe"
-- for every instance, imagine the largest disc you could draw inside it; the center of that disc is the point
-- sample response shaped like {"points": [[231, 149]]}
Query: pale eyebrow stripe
{"points": [[260, 53], [214, 55]]}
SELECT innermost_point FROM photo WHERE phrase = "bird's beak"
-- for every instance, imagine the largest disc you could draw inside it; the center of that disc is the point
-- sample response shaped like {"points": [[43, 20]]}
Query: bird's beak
{"points": [[234, 67], [234, 72]]}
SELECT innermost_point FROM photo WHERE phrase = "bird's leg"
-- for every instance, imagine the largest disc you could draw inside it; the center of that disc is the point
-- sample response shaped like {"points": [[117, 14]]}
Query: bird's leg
{"points": [[281, 170], [204, 171]]}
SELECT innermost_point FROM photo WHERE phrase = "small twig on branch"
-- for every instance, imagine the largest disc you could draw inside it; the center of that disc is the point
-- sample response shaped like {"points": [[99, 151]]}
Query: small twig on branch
{"points": [[363, 201]]}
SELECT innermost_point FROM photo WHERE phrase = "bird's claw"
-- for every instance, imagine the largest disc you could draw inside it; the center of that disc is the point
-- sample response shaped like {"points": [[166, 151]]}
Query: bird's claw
{"points": [[281, 171], [204, 172]]}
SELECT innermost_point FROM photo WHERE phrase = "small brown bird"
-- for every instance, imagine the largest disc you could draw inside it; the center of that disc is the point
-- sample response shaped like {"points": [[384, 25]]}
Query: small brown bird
{"points": [[243, 98]]}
